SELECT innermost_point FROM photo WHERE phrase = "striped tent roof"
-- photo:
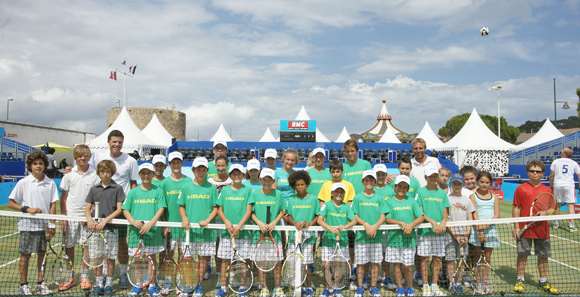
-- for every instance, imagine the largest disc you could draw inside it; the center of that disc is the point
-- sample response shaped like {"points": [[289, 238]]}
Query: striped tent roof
{"points": [[383, 123]]}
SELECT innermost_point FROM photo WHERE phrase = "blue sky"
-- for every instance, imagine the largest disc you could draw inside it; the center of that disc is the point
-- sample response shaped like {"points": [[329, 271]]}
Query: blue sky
{"points": [[250, 64]]}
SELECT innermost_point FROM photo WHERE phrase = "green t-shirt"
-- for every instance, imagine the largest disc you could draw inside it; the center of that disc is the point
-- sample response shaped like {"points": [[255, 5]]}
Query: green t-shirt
{"points": [[260, 202], [317, 179], [254, 186], [369, 209], [234, 204], [199, 202], [172, 189], [413, 187], [433, 203], [143, 206], [212, 170], [385, 192], [353, 173], [157, 182], [303, 209], [336, 216], [406, 211], [283, 185]]}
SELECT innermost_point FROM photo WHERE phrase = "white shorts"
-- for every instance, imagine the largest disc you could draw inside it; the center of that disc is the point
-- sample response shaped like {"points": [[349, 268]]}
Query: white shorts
{"points": [[112, 243], [201, 248], [174, 242], [405, 256], [307, 249], [149, 250], [75, 233], [385, 238], [565, 194], [280, 251], [368, 252], [329, 251], [245, 248], [430, 245]]}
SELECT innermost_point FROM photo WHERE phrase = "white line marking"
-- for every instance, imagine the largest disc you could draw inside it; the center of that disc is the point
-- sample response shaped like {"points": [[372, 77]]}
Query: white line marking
{"points": [[555, 261], [6, 264], [9, 234], [574, 241]]}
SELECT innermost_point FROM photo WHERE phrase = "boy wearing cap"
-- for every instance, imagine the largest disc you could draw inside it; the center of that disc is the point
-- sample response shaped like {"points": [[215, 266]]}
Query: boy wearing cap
{"points": [[260, 201], [435, 205], [220, 148], [318, 174], [369, 210], [456, 238], [234, 210], [401, 244], [145, 203], [159, 162], [386, 192], [336, 171], [197, 204], [335, 216]]}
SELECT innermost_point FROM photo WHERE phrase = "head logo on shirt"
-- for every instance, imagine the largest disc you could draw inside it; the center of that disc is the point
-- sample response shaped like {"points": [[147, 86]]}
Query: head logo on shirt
{"points": [[198, 196], [368, 204], [266, 202], [144, 201]]}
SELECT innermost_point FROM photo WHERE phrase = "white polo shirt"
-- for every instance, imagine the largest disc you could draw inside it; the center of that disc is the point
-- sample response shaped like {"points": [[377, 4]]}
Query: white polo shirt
{"points": [[32, 193], [78, 185], [127, 168], [418, 172], [564, 170]]}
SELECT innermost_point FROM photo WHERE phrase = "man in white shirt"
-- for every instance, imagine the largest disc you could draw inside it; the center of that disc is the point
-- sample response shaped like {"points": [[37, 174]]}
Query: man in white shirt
{"points": [[420, 161], [562, 183]]}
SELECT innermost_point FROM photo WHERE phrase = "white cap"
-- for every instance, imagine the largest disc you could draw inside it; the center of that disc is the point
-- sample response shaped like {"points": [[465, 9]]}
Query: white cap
{"points": [[238, 167], [159, 158], [270, 153], [175, 155], [220, 142], [146, 166], [402, 179], [268, 172], [199, 161], [253, 164], [338, 186], [380, 168], [318, 150], [369, 173], [430, 170]]}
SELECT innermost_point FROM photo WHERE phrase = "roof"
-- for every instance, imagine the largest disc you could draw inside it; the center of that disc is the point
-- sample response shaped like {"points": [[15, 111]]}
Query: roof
{"points": [[344, 136], [389, 137], [429, 136], [548, 132], [221, 134], [156, 132], [268, 136], [303, 116], [383, 123]]}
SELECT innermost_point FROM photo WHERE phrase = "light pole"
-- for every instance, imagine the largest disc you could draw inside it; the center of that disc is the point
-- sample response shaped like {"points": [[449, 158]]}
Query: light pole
{"points": [[496, 88], [564, 107], [8, 107]]}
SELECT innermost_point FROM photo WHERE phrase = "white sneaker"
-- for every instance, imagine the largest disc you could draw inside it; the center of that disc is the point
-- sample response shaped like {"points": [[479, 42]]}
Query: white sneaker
{"points": [[278, 292], [426, 291], [436, 291], [352, 286], [556, 224], [24, 290], [43, 289], [264, 292]]}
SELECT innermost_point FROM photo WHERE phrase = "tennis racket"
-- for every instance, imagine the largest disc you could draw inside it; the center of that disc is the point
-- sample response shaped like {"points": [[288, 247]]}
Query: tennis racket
{"points": [[166, 274], [295, 263], [543, 205], [64, 262], [141, 269], [266, 250], [337, 269], [51, 266], [95, 248], [240, 274], [484, 275], [462, 273], [187, 271]]}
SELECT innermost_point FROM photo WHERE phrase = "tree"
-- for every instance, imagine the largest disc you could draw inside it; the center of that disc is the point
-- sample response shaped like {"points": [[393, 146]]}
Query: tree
{"points": [[454, 125]]}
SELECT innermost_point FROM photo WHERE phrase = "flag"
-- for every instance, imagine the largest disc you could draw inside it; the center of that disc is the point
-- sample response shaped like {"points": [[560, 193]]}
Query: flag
{"points": [[124, 62], [134, 67], [113, 75]]}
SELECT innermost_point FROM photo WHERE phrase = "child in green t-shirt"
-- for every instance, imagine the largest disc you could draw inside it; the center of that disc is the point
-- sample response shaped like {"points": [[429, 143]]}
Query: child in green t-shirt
{"points": [[145, 203], [401, 244], [159, 162], [335, 216], [302, 211], [318, 174], [253, 169], [197, 204]]}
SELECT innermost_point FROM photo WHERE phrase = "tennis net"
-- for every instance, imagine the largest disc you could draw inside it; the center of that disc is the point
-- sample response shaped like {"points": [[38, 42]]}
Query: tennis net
{"points": [[563, 265]]}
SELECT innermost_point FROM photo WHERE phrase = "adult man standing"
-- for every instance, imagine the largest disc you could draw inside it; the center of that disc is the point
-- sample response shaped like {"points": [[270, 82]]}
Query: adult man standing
{"points": [[420, 161], [126, 177], [354, 167], [562, 183]]}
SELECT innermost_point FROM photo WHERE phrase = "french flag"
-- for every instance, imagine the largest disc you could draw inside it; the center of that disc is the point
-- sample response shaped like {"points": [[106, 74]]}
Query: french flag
{"points": [[113, 75], [132, 69], [124, 62]]}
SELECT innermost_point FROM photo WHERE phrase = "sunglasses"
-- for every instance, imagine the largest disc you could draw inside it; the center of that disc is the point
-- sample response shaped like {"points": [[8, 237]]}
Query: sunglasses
{"points": [[535, 171]]}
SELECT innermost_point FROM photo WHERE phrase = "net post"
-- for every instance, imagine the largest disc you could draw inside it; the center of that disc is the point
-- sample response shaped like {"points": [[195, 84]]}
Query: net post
{"points": [[297, 266]]}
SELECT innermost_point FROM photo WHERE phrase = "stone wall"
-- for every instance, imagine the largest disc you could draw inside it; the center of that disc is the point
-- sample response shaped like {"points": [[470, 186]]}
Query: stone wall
{"points": [[172, 120]]}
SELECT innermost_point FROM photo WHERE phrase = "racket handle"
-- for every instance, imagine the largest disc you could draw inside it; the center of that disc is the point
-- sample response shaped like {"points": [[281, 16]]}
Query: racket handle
{"points": [[233, 242], [268, 217], [338, 237], [187, 236], [97, 211], [299, 235], [523, 231]]}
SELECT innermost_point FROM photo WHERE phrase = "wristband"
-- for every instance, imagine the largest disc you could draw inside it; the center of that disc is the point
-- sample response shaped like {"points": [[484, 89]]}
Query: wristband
{"points": [[24, 209], [51, 226]]}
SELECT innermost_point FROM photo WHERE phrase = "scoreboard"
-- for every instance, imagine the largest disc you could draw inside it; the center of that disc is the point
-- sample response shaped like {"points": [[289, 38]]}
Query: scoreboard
{"points": [[297, 131]]}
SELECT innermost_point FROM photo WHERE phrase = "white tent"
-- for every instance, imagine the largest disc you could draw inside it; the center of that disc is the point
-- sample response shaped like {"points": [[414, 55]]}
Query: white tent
{"points": [[389, 137], [221, 134], [268, 136], [157, 132], [547, 133], [344, 136], [303, 116], [134, 139], [429, 136]]}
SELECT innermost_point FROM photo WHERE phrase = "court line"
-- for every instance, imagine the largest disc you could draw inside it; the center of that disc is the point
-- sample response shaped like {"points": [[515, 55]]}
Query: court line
{"points": [[18, 259], [563, 238], [555, 261], [9, 234]]}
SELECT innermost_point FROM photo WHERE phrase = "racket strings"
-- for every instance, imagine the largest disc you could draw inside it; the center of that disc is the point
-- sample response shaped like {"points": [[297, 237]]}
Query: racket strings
{"points": [[51, 269], [338, 273], [289, 269], [240, 276], [266, 255], [544, 202], [95, 251], [186, 275], [140, 270]]}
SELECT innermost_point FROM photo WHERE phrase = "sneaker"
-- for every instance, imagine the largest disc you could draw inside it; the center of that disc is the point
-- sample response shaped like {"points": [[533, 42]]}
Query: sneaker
{"points": [[352, 286], [108, 290], [548, 288], [207, 272], [353, 275], [309, 292], [24, 290], [410, 292], [43, 289], [400, 292], [221, 293], [166, 288], [418, 278], [337, 293], [366, 282], [326, 293], [519, 287], [278, 292], [85, 284], [572, 229], [359, 292], [69, 284], [374, 292], [426, 291], [99, 291], [388, 283], [154, 291], [198, 291], [264, 292], [257, 284], [458, 290], [468, 280], [556, 224], [242, 292], [436, 291], [136, 291], [123, 281]]}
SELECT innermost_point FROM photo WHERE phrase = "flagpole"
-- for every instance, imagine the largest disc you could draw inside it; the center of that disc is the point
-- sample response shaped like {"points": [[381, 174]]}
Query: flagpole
{"points": [[124, 82]]}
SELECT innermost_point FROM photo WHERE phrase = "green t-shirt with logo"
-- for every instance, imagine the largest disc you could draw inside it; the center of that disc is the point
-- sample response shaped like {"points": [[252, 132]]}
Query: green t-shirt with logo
{"points": [[212, 170], [369, 209], [336, 216], [172, 189], [283, 184], [303, 209], [157, 182], [386, 192], [317, 179], [353, 174], [234, 204], [433, 203], [143, 206], [199, 201], [260, 202], [413, 187], [406, 211]]}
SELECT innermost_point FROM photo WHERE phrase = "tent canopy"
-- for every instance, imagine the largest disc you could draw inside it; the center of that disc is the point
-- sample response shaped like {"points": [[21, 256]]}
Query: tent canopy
{"points": [[344, 136], [221, 134], [547, 133], [303, 116], [155, 131], [56, 147], [430, 137], [268, 136], [389, 137]]}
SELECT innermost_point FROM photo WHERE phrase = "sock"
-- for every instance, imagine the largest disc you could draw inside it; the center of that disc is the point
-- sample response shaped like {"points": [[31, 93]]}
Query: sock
{"points": [[426, 286], [123, 268], [99, 281], [224, 288], [433, 286], [85, 273], [109, 281], [521, 277], [26, 283], [543, 279], [556, 222], [572, 225], [69, 274]]}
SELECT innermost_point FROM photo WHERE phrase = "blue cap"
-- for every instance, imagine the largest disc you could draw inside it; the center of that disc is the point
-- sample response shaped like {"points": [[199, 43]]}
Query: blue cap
{"points": [[456, 177]]}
